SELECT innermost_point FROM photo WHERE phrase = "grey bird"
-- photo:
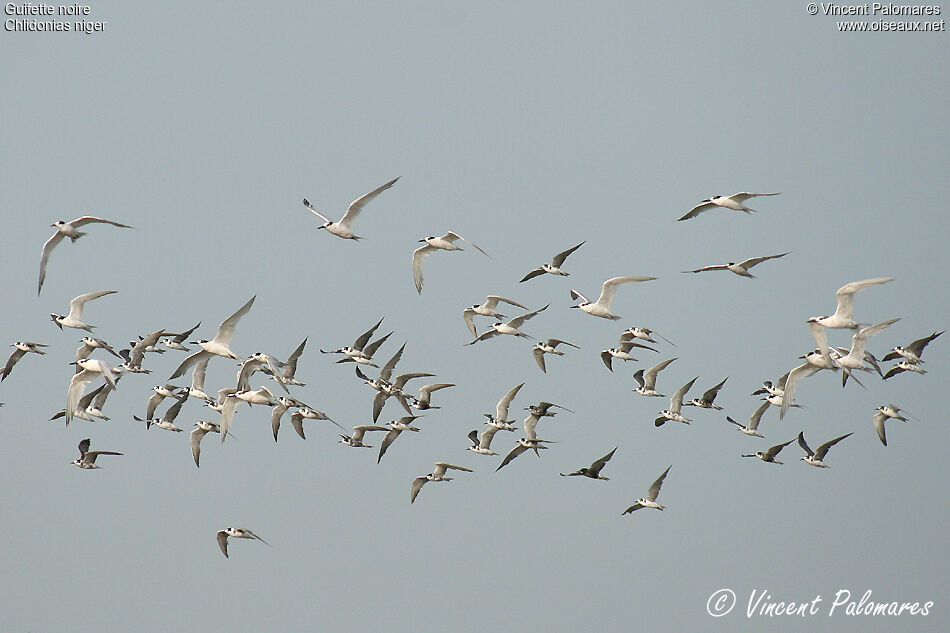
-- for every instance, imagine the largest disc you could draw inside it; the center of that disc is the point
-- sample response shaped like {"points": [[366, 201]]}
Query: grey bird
{"points": [[593, 471]]}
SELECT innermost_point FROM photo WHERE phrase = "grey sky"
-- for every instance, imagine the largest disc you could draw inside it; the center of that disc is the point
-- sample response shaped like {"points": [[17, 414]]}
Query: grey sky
{"points": [[527, 129]]}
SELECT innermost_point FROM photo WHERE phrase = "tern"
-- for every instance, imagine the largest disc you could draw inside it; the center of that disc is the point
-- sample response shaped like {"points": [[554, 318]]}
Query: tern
{"points": [[548, 347], [647, 379], [815, 458], [771, 454], [219, 345], [94, 406], [481, 444], [174, 341], [511, 327], [289, 369], [593, 471], [741, 268], [74, 318], [433, 244], [306, 413], [752, 427], [913, 352], [196, 390], [84, 403], [167, 421], [845, 295], [356, 439], [622, 352], [22, 348], [356, 349], [365, 355], [395, 389], [424, 401], [649, 501], [202, 428], [487, 309], [644, 334], [87, 458], [676, 404], [523, 445], [284, 403], [161, 392], [601, 307], [91, 368], [90, 343], [554, 268], [500, 419], [68, 229], [806, 369], [223, 535], [137, 354], [903, 366], [256, 362], [883, 413], [733, 202], [343, 228], [262, 396], [396, 427], [437, 474], [707, 401]]}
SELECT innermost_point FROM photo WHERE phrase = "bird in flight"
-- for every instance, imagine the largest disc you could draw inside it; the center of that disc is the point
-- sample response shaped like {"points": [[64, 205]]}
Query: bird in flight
{"points": [[70, 230], [343, 227]]}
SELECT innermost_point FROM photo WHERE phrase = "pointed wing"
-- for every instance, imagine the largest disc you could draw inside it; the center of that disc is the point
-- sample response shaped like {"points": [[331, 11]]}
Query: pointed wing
{"points": [[387, 371], [195, 440], [654, 490], [859, 340], [757, 416], [389, 439], [451, 235], [704, 269], [804, 444], [539, 357], [608, 358], [199, 356], [879, 419], [375, 345], [802, 371], [699, 208], [44, 257], [517, 450], [596, 467], [649, 376], [226, 329], [917, 347], [558, 259], [468, 315], [531, 275], [417, 256], [823, 449], [754, 261], [518, 321], [501, 409], [89, 219], [353, 211], [710, 394], [636, 506], [417, 485], [496, 299], [223, 542], [228, 409], [775, 450], [609, 289], [363, 338], [846, 294], [76, 305], [676, 402], [307, 204]]}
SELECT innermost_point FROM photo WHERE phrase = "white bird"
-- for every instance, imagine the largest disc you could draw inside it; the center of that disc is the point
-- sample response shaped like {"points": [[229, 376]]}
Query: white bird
{"points": [[198, 379], [913, 352], [500, 419], [511, 327], [262, 396], [93, 406], [554, 268], [22, 348], [752, 427], [707, 401], [437, 474], [481, 444], [167, 420], [486, 309], [306, 413], [845, 306], [160, 393], [74, 318], [284, 403], [174, 341], [772, 453], [220, 344], [433, 244], [343, 228], [255, 362], [67, 229], [424, 401], [593, 471], [647, 379], [601, 307], [622, 351], [136, 355], [548, 347], [396, 427], [741, 268], [883, 413], [202, 428], [223, 535], [676, 404], [733, 202], [523, 445], [806, 369], [649, 501], [855, 358], [90, 343], [644, 334], [87, 458], [289, 369], [903, 366], [356, 349], [816, 458], [91, 368], [356, 439]]}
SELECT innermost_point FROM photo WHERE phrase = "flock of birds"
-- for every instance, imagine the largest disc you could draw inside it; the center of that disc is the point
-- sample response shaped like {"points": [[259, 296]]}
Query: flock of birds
{"points": [[88, 404]]}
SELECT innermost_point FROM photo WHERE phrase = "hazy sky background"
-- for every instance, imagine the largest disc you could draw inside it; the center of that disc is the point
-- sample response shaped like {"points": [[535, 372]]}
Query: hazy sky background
{"points": [[526, 128]]}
